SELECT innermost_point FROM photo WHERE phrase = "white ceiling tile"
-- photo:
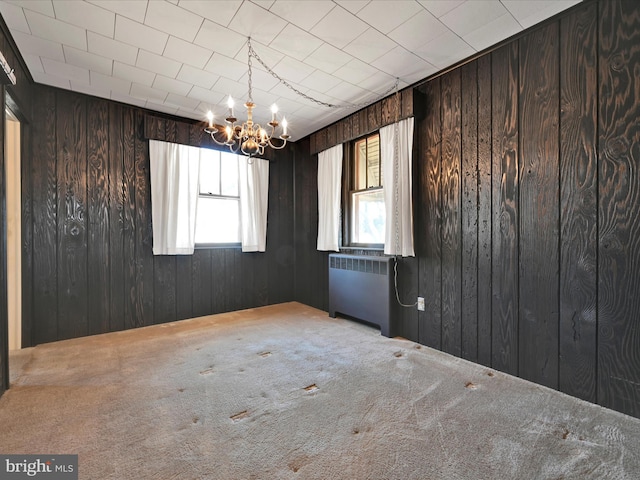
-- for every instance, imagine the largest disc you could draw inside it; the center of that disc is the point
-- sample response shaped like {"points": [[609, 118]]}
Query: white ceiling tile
{"points": [[303, 14], [399, 63], [144, 92], [256, 22], [471, 15], [292, 70], [220, 39], [185, 52], [228, 87], [266, 4], [260, 79], [114, 84], [14, 17], [44, 7], [348, 93], [171, 85], [268, 55], [172, 19], [90, 90], [354, 6], [226, 67], [30, 44], [197, 77], [444, 50], [107, 47], [122, 98], [440, 7], [65, 70], [48, 79], [33, 63], [530, 13], [377, 14], [264, 99], [91, 17], [180, 101], [56, 31], [158, 64], [219, 12], [370, 46], [380, 83], [170, 109], [87, 60], [283, 91], [339, 27], [139, 35], [355, 71], [132, 9], [133, 74], [295, 42], [206, 95], [493, 32], [320, 82], [328, 58], [420, 29]]}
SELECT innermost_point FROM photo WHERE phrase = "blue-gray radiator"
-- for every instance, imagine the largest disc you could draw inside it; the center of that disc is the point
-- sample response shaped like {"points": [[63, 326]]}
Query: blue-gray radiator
{"points": [[362, 287]]}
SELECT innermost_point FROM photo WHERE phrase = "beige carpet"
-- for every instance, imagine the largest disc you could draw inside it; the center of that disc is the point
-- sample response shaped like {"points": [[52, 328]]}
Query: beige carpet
{"points": [[286, 392]]}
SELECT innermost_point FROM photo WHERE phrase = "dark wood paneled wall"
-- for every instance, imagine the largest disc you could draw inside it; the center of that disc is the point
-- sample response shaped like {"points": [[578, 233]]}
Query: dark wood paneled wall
{"points": [[87, 219], [528, 216]]}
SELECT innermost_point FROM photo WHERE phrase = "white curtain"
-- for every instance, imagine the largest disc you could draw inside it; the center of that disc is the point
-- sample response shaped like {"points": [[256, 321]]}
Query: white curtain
{"points": [[254, 200], [329, 188], [396, 146], [175, 170]]}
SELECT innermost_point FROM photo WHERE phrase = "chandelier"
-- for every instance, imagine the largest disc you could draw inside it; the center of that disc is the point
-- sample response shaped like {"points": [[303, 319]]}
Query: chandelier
{"points": [[248, 137]]}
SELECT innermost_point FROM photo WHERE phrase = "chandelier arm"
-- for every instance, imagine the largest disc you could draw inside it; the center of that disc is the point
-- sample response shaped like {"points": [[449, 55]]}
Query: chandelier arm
{"points": [[276, 147], [212, 134]]}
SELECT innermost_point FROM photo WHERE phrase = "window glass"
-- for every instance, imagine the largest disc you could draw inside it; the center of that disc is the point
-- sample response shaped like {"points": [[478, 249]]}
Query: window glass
{"points": [[367, 215], [218, 220], [209, 171], [218, 212]]}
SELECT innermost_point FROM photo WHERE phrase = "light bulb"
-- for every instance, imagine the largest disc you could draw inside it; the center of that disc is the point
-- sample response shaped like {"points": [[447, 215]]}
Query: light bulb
{"points": [[210, 118], [284, 126]]}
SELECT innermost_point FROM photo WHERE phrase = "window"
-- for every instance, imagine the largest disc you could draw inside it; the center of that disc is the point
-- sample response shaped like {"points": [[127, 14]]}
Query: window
{"points": [[366, 197], [218, 213]]}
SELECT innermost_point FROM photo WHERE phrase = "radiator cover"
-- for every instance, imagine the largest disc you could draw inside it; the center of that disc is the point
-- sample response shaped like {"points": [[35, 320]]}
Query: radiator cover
{"points": [[362, 287]]}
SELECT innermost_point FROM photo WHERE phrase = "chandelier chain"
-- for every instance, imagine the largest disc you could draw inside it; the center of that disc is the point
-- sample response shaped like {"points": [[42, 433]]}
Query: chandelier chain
{"points": [[254, 54], [250, 82]]}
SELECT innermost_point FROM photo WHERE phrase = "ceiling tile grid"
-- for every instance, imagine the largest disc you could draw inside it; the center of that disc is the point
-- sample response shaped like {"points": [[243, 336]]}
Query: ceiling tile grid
{"points": [[185, 57]]}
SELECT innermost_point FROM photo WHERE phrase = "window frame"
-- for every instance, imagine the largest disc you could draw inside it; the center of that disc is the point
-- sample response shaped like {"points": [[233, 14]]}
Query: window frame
{"points": [[349, 191], [220, 196]]}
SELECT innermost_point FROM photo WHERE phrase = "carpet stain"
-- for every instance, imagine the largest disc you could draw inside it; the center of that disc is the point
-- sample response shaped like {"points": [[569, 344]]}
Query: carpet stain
{"points": [[398, 354], [311, 388], [207, 371], [491, 374], [565, 434], [355, 431], [418, 347], [471, 385], [239, 416], [181, 390]]}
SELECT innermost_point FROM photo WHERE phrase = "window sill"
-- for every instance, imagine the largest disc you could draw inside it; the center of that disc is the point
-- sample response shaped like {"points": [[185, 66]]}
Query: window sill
{"points": [[209, 246], [367, 248]]}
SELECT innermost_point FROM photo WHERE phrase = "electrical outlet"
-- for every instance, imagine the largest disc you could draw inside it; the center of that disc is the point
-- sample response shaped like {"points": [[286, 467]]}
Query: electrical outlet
{"points": [[421, 304]]}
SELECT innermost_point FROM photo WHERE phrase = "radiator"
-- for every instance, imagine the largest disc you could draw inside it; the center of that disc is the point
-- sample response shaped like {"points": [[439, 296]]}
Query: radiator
{"points": [[362, 287]]}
